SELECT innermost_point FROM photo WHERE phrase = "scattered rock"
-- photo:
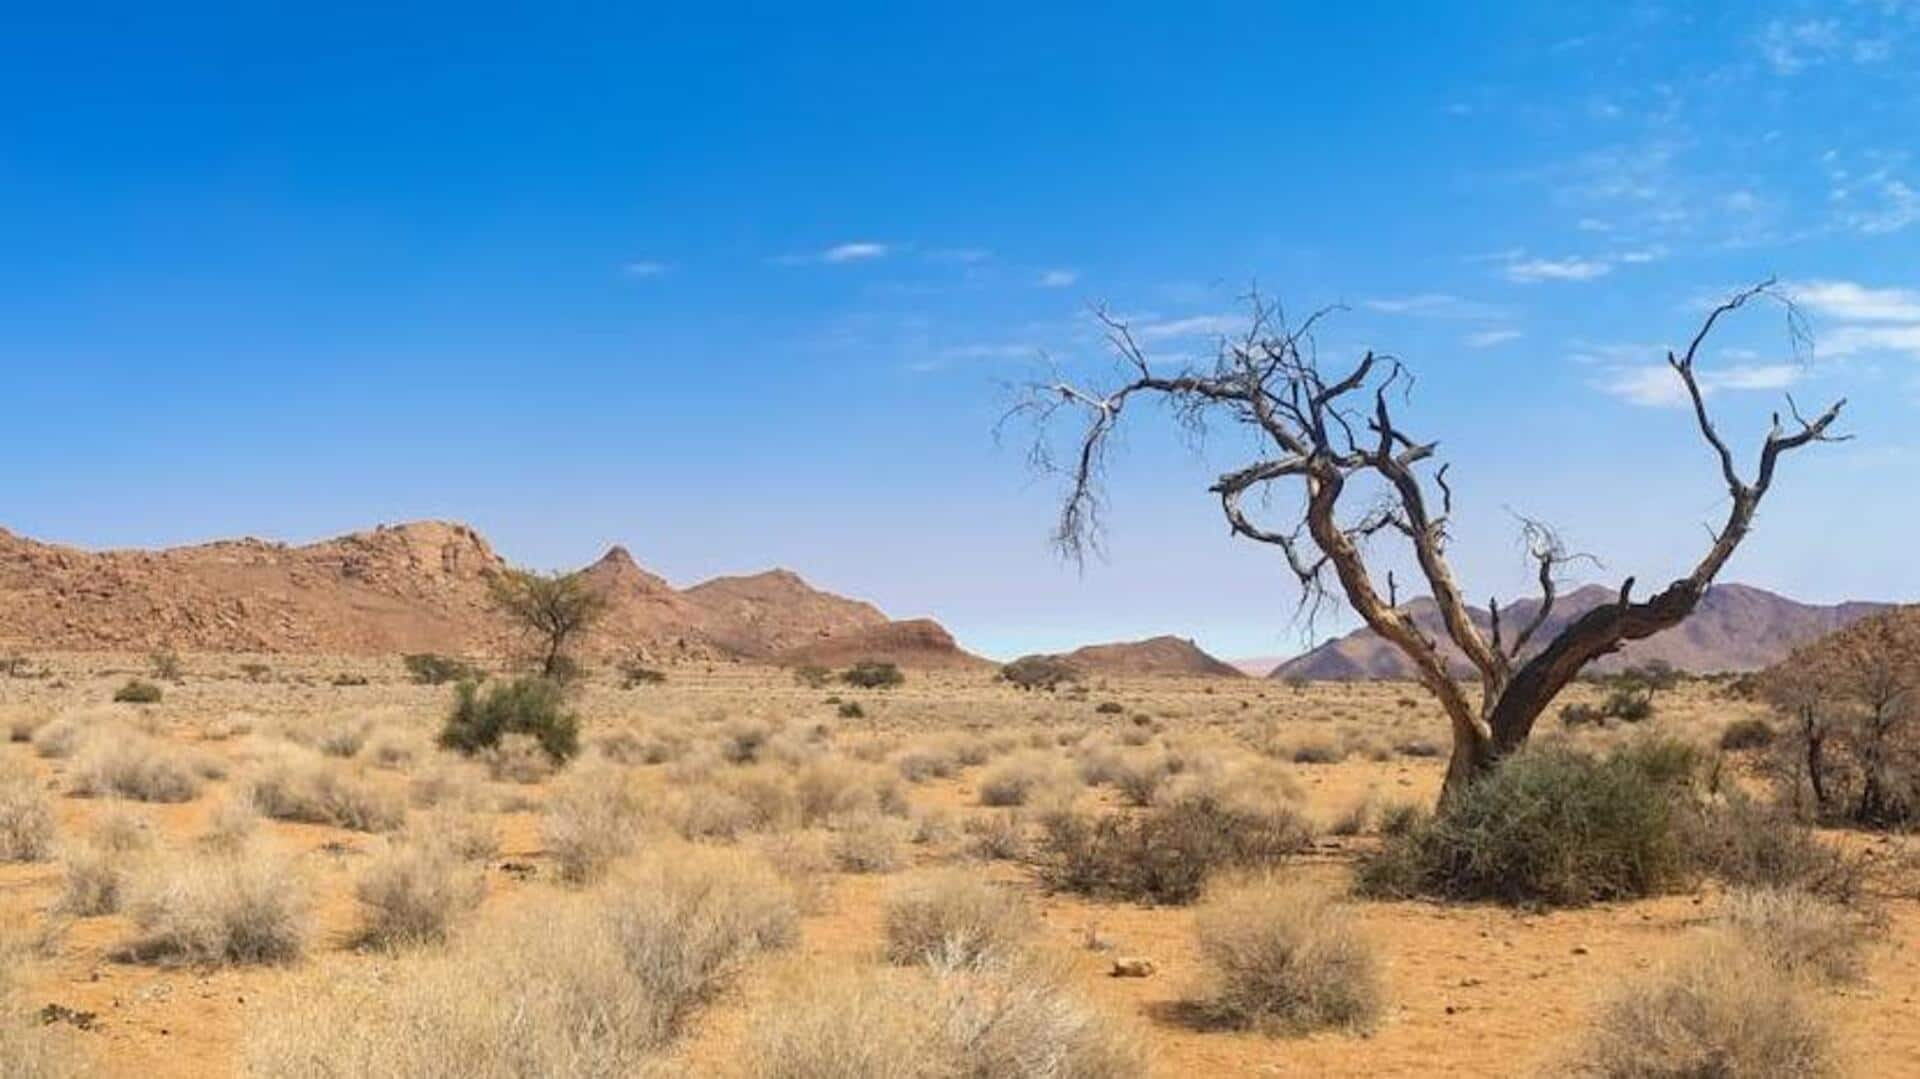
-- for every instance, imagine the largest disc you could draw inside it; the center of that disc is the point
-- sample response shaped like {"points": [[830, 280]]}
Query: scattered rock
{"points": [[60, 1013], [1132, 966]]}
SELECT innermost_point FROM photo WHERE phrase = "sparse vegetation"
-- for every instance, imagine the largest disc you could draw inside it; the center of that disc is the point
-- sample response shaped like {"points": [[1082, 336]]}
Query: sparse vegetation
{"points": [[1553, 826], [953, 917], [552, 610], [432, 669], [873, 674], [1285, 957], [1039, 672], [218, 909], [26, 816], [1166, 854], [536, 707], [136, 691], [317, 790]]}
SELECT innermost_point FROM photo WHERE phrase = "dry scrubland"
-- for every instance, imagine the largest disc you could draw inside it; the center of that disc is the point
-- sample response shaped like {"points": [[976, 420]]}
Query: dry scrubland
{"points": [[270, 873]]}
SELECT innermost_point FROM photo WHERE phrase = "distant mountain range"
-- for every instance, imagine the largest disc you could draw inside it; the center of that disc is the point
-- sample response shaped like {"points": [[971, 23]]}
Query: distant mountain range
{"points": [[416, 587], [1735, 628]]}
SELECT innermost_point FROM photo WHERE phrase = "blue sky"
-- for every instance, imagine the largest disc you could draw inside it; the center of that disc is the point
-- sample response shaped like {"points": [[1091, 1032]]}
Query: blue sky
{"points": [[744, 291]]}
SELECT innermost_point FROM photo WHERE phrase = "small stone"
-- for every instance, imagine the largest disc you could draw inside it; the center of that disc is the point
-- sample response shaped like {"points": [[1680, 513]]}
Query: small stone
{"points": [[1132, 966], [1579, 949]]}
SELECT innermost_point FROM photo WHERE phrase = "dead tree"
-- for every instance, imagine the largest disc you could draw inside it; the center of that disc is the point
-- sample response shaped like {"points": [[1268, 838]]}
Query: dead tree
{"points": [[1331, 433]]}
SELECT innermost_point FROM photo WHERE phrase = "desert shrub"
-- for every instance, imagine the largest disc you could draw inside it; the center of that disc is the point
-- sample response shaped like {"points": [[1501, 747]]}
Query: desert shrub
{"points": [[231, 826], [349, 678], [952, 916], [1166, 854], [1581, 715], [1140, 777], [21, 726], [1746, 843], [255, 671], [635, 675], [30, 1047], [1109, 708], [850, 710], [1285, 957], [482, 716], [1013, 781], [1399, 818], [166, 666], [996, 837], [1752, 733], [470, 836], [215, 909], [430, 669], [518, 758], [1628, 704], [343, 736], [868, 843], [1039, 672], [812, 676], [1014, 1020], [61, 737], [1798, 932], [26, 816], [1709, 1013], [583, 987], [873, 674], [412, 893], [136, 691], [1317, 751], [137, 766], [1551, 826], [316, 790], [919, 763], [833, 787], [590, 821], [100, 869]]}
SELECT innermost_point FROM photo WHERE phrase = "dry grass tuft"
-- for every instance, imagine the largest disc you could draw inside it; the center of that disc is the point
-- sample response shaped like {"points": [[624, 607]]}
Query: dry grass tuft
{"points": [[1799, 933], [26, 815], [141, 767], [592, 819], [1713, 1012], [1015, 1020], [1285, 957], [316, 790], [217, 909], [413, 892], [589, 985], [952, 916]]}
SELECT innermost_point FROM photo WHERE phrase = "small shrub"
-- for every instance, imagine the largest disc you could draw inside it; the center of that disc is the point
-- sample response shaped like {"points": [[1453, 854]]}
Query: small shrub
{"points": [[1285, 957], [1710, 1013], [1039, 672], [635, 675], [349, 678], [996, 837], [530, 706], [413, 893], [1110, 708], [100, 870], [812, 676], [1628, 705], [851, 710], [255, 671], [1751, 733], [136, 691], [1581, 715], [873, 674], [165, 666], [430, 669], [1551, 826], [26, 816], [231, 826], [952, 916], [1013, 781], [216, 910], [1317, 751], [1166, 854]]}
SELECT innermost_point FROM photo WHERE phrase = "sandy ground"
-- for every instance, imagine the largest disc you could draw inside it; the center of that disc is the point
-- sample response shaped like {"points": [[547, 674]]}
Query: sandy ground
{"points": [[1472, 990]]}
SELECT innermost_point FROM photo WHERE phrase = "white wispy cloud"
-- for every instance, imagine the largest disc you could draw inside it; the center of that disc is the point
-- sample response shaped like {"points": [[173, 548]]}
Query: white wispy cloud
{"points": [[1791, 46], [1657, 385], [1490, 338], [857, 251], [646, 268], [1433, 305], [1855, 302], [1192, 326], [1857, 340], [1529, 271], [1059, 278]]}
